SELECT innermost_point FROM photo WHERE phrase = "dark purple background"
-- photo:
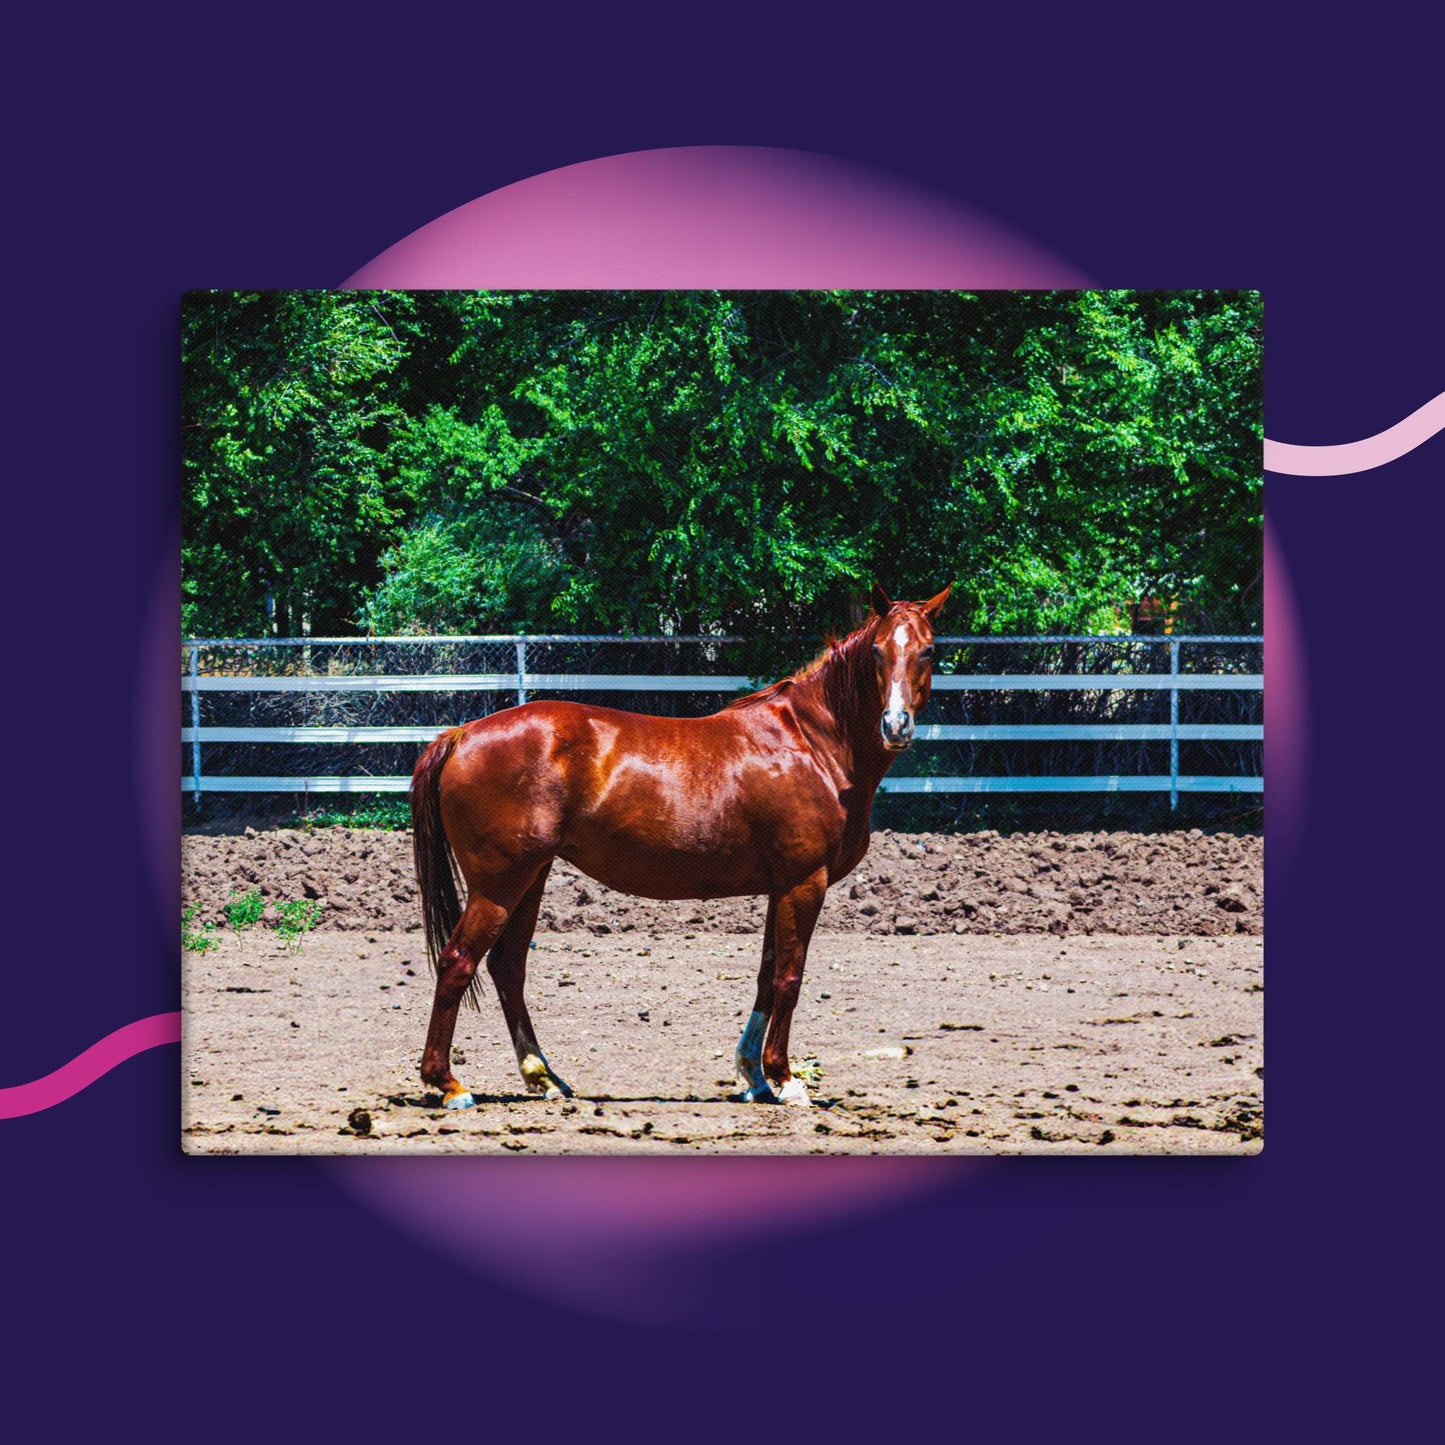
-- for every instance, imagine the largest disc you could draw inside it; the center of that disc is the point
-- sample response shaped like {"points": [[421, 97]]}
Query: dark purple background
{"points": [[1170, 1298]]}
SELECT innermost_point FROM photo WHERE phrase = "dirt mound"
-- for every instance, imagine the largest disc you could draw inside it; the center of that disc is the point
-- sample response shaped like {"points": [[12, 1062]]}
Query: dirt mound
{"points": [[1188, 883]]}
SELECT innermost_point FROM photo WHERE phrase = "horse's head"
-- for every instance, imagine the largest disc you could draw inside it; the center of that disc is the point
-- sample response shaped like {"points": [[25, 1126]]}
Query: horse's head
{"points": [[903, 658]]}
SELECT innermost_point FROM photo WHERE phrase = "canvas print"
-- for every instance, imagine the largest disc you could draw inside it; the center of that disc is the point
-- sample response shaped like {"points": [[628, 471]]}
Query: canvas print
{"points": [[654, 723]]}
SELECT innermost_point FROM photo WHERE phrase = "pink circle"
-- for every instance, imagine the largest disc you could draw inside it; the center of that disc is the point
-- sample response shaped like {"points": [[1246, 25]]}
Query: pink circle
{"points": [[157, 793], [1286, 690], [575, 1230], [693, 217], [593, 1233], [716, 217]]}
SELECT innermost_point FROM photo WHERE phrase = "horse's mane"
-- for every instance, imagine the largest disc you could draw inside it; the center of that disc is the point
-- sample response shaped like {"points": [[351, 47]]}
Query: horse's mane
{"points": [[841, 667]]}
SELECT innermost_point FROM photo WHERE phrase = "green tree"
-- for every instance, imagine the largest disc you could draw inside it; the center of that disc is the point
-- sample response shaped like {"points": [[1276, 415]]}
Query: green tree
{"points": [[733, 462], [287, 416]]}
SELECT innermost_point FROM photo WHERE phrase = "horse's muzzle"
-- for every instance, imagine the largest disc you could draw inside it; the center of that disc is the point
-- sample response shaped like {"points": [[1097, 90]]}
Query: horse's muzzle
{"points": [[897, 731]]}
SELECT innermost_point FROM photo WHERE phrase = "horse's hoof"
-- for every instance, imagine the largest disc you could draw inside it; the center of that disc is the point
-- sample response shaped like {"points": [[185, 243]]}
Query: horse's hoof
{"points": [[761, 1095], [793, 1092], [538, 1076], [462, 1100]]}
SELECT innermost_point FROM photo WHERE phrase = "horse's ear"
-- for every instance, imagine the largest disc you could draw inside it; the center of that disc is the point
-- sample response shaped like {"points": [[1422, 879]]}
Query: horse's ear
{"points": [[881, 604], [934, 605]]}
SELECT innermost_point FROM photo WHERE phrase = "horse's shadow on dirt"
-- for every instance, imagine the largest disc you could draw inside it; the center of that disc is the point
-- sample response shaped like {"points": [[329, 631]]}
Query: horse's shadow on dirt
{"points": [[433, 1102]]}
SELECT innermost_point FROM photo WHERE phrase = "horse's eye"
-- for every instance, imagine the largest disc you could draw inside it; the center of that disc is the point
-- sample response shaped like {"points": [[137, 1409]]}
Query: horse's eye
{"points": [[877, 652], [927, 654]]}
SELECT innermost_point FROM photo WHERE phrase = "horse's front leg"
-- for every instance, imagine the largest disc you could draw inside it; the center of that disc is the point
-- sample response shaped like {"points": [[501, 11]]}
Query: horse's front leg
{"points": [[753, 1087], [797, 913]]}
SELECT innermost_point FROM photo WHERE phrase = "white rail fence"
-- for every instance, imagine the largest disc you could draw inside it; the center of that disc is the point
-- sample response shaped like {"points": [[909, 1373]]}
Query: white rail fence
{"points": [[518, 683]]}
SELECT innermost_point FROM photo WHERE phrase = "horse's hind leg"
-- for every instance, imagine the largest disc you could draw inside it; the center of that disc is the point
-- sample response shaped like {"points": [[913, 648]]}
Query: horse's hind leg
{"points": [[481, 924], [507, 963]]}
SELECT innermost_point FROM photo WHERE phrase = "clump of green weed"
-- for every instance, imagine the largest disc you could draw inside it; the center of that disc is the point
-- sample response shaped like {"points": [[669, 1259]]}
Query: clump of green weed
{"points": [[386, 813], [809, 1070], [295, 919], [244, 910], [197, 938]]}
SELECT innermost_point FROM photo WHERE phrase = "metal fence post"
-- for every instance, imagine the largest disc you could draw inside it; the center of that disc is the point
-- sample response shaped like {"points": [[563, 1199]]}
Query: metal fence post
{"points": [[1173, 727], [196, 723], [521, 673]]}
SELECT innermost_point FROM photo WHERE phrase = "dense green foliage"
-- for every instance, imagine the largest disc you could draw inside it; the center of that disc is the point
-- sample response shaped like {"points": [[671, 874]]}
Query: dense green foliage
{"points": [[700, 461]]}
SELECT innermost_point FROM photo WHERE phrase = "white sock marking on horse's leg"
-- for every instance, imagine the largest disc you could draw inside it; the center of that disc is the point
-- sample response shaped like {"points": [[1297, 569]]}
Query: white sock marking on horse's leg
{"points": [[793, 1092]]}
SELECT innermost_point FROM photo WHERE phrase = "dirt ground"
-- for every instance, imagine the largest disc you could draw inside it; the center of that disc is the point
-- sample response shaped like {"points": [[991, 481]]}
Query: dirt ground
{"points": [[1033, 994]]}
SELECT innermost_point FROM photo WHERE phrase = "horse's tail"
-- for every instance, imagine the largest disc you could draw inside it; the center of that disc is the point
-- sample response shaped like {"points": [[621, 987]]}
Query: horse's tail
{"points": [[436, 869]]}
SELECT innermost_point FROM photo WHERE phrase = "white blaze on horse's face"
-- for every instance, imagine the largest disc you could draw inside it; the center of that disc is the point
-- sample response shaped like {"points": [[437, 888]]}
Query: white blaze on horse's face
{"points": [[903, 655]]}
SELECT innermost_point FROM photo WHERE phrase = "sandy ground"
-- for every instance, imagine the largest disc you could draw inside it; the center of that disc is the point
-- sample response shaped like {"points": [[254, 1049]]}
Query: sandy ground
{"points": [[919, 1042]]}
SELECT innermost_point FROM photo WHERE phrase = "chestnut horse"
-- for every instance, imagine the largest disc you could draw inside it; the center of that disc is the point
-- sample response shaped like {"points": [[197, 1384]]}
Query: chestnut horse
{"points": [[772, 795]]}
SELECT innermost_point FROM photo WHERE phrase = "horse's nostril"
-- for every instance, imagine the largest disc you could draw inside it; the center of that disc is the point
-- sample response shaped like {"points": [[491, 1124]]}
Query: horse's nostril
{"points": [[897, 728]]}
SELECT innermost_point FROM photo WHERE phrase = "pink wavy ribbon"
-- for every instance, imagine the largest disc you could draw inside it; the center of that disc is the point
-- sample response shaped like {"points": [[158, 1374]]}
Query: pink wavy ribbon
{"points": [[85, 1068], [1360, 456]]}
